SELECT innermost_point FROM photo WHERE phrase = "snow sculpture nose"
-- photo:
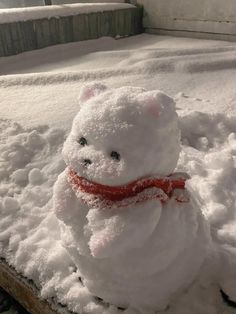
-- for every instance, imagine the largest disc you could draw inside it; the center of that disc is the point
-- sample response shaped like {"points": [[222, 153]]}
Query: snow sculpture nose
{"points": [[87, 162]]}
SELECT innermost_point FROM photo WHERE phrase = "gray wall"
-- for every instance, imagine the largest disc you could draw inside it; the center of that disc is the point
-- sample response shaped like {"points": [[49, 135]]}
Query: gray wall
{"points": [[212, 18]]}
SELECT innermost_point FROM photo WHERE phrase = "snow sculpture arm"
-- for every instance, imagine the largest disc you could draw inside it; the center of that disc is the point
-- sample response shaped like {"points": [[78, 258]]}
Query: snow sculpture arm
{"points": [[65, 202], [114, 231]]}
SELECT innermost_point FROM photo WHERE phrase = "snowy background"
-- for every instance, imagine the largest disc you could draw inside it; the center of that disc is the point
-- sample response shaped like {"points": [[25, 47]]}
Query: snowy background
{"points": [[39, 92]]}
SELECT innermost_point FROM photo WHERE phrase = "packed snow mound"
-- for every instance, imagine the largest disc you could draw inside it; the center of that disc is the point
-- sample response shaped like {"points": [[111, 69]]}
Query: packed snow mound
{"points": [[29, 232]]}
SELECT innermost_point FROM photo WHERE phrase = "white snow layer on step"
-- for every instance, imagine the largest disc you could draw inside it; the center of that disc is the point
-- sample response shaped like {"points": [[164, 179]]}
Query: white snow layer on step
{"points": [[34, 13], [194, 71]]}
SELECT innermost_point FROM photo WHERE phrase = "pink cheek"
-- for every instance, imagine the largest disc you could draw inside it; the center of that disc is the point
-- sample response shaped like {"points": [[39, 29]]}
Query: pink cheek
{"points": [[154, 111]]}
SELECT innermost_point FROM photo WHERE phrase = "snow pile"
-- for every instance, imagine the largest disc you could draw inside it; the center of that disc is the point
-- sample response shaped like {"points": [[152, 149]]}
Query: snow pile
{"points": [[34, 13], [29, 234], [209, 156], [26, 179]]}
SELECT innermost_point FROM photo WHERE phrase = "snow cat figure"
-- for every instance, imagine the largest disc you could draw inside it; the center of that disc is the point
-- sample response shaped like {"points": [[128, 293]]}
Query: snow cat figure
{"points": [[127, 219]]}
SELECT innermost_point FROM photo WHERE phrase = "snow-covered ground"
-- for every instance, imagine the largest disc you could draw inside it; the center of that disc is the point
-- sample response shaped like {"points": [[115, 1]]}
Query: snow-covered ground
{"points": [[38, 101], [203, 70]]}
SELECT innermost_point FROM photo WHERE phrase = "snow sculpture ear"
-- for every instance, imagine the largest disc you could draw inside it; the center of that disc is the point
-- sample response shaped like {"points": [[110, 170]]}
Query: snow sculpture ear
{"points": [[153, 107], [91, 90], [159, 104]]}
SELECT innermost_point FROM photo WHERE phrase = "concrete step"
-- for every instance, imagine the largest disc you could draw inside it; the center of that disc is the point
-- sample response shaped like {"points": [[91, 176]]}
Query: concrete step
{"points": [[38, 27]]}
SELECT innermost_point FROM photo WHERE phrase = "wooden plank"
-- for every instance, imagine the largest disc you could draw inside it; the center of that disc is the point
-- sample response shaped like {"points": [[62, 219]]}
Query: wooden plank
{"points": [[120, 23], [24, 291], [113, 31], [125, 23], [65, 29], [15, 41], [79, 32], [54, 31], [2, 43], [26, 36], [98, 24], [69, 28], [92, 23], [7, 40], [104, 24], [42, 32], [86, 27], [138, 16]]}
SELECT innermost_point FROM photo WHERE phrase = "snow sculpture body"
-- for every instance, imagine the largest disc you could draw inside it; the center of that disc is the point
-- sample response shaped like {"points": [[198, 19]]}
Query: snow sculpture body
{"points": [[146, 245]]}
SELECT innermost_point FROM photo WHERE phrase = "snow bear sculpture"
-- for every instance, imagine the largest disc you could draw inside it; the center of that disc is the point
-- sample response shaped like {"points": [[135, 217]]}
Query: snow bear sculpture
{"points": [[126, 218]]}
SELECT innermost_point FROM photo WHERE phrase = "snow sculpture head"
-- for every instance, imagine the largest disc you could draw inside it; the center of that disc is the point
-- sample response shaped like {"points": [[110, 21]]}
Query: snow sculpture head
{"points": [[120, 135]]}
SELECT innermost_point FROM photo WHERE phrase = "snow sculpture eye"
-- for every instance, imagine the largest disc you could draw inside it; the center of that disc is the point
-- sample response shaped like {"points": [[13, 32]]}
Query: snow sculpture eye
{"points": [[115, 156], [82, 141]]}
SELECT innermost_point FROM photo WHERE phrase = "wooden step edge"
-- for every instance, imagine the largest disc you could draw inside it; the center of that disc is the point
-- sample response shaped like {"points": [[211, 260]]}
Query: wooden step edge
{"points": [[25, 292]]}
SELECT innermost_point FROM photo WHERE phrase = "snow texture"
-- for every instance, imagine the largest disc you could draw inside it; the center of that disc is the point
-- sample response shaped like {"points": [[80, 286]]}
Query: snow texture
{"points": [[34, 13], [31, 153]]}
